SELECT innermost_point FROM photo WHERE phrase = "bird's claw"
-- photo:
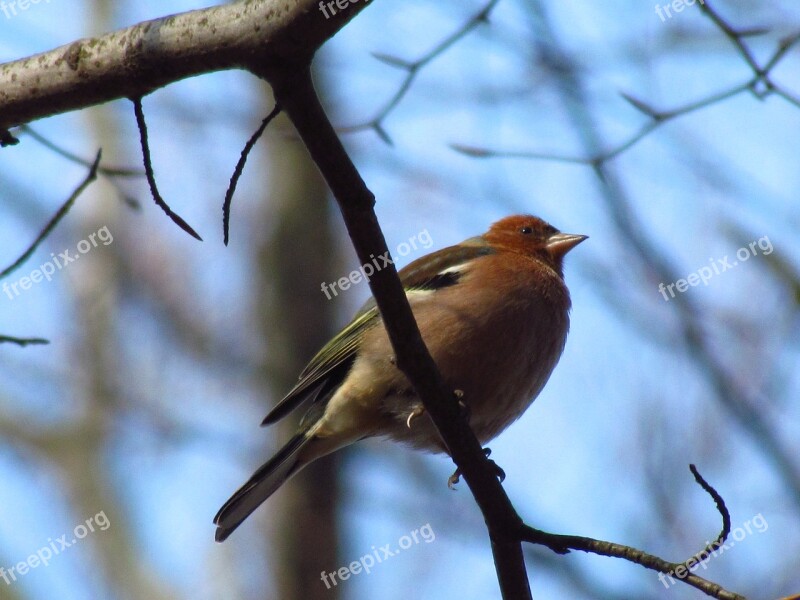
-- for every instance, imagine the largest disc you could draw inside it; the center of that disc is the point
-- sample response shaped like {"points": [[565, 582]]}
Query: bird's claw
{"points": [[459, 394], [456, 476], [454, 479], [501, 475], [417, 412], [498, 471]]}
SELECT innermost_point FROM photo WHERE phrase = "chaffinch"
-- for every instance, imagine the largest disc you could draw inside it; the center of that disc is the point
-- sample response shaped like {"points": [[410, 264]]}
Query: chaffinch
{"points": [[494, 314]]}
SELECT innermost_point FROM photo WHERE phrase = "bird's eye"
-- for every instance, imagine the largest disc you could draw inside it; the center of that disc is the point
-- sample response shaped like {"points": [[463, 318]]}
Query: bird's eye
{"points": [[526, 230]]}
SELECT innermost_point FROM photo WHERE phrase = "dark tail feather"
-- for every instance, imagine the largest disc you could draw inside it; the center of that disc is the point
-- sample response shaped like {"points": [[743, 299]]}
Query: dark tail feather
{"points": [[269, 477]]}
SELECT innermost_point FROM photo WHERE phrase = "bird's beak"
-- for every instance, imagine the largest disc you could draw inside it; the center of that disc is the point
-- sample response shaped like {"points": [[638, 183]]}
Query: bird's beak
{"points": [[561, 243]]}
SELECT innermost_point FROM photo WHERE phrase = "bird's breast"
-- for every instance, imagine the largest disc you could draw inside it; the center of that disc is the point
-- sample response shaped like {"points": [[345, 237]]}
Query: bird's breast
{"points": [[496, 344]]}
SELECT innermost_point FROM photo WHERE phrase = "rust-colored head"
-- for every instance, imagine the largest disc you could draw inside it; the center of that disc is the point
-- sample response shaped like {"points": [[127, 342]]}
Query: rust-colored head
{"points": [[531, 236]]}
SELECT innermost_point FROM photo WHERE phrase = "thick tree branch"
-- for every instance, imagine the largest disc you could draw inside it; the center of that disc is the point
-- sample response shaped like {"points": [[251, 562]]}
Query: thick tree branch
{"points": [[136, 60]]}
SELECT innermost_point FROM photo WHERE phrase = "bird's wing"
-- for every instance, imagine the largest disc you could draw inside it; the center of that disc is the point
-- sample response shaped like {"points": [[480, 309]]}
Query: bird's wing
{"points": [[330, 365], [327, 369]]}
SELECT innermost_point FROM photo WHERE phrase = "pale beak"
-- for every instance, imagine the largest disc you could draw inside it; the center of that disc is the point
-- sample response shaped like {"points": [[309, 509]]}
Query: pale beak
{"points": [[561, 243]]}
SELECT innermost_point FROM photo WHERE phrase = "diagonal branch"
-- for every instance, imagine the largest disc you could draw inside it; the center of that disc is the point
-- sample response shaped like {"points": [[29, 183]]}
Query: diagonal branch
{"points": [[295, 92], [90, 177]]}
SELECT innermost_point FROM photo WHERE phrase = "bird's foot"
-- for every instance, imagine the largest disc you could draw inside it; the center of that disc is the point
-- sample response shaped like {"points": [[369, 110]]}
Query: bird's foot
{"points": [[499, 473], [419, 410], [456, 476], [454, 479]]}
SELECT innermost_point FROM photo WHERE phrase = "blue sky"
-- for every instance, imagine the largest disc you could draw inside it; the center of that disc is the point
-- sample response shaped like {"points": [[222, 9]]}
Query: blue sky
{"points": [[619, 399]]}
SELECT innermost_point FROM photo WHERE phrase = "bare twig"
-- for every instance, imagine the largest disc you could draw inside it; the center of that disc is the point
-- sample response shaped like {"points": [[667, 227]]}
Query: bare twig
{"points": [[562, 544], [723, 510], [761, 75], [23, 341], [413, 69], [737, 37], [90, 177], [237, 172], [148, 169]]}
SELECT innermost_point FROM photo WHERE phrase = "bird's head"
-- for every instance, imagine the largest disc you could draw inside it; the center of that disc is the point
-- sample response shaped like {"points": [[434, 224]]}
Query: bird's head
{"points": [[531, 236]]}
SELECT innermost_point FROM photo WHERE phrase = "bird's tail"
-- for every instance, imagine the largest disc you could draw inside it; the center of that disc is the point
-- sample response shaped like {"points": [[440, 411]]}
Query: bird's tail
{"points": [[269, 477]]}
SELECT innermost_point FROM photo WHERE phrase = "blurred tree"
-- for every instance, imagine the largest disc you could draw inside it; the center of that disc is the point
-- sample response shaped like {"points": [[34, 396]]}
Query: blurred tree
{"points": [[295, 324]]}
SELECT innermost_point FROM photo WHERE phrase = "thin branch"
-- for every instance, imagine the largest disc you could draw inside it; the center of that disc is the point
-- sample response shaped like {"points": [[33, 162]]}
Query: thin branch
{"points": [[659, 117], [23, 341], [735, 36], [237, 172], [783, 47], [148, 169], [562, 544], [723, 510], [90, 177], [761, 74], [413, 69]]}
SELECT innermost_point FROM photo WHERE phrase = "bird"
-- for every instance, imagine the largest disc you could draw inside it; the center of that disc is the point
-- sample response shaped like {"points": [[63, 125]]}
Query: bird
{"points": [[493, 312]]}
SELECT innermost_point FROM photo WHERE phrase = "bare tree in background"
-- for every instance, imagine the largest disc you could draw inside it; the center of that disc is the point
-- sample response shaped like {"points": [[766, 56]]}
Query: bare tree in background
{"points": [[295, 324]]}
